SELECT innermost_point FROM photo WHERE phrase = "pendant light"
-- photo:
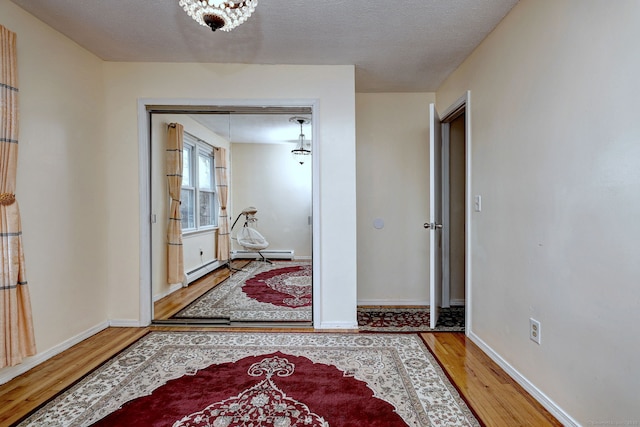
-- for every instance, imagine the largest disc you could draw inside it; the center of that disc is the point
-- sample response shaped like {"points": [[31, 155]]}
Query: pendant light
{"points": [[220, 15], [301, 153]]}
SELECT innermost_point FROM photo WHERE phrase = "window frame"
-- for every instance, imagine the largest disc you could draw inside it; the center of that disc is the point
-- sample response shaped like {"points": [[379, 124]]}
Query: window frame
{"points": [[199, 148]]}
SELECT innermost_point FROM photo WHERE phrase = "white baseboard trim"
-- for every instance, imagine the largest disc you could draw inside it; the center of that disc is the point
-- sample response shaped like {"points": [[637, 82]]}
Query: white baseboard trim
{"points": [[338, 325], [190, 277], [383, 302], [269, 254], [171, 290], [200, 271], [537, 394], [7, 374], [125, 323], [302, 258]]}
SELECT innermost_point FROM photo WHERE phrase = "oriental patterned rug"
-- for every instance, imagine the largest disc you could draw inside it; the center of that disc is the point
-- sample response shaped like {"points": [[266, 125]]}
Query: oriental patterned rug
{"points": [[259, 292], [185, 379], [382, 319]]}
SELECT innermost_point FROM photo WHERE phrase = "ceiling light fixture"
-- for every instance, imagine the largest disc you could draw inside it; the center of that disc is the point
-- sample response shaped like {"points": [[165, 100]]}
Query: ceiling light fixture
{"points": [[219, 14], [300, 153]]}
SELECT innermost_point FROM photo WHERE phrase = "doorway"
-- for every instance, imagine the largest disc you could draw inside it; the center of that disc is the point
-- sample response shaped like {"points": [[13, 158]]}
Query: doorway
{"points": [[456, 207], [454, 211]]}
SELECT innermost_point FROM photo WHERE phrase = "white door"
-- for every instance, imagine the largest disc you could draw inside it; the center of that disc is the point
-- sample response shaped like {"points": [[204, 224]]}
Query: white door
{"points": [[435, 215]]}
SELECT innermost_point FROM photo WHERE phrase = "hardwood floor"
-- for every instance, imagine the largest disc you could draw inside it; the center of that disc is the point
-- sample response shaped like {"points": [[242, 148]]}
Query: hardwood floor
{"points": [[30, 390], [493, 396], [166, 307]]}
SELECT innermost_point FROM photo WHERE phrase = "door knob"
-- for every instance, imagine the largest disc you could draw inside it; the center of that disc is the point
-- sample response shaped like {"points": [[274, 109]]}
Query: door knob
{"points": [[432, 225]]}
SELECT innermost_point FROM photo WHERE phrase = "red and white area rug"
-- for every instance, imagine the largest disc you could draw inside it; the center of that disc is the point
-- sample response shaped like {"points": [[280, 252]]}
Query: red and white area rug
{"points": [[260, 292], [383, 319], [185, 379]]}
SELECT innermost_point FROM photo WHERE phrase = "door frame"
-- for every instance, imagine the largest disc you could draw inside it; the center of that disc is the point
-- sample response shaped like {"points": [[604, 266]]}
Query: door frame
{"points": [[461, 105], [145, 105]]}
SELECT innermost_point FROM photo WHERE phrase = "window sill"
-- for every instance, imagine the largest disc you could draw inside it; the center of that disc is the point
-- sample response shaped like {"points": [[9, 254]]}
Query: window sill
{"points": [[200, 231]]}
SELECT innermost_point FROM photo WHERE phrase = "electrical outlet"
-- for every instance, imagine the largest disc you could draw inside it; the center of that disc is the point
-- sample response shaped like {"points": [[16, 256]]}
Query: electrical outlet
{"points": [[534, 330]]}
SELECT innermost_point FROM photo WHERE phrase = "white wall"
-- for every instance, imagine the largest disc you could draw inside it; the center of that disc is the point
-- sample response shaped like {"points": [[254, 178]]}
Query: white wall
{"points": [[61, 179], [266, 176], [556, 158], [331, 86], [393, 185]]}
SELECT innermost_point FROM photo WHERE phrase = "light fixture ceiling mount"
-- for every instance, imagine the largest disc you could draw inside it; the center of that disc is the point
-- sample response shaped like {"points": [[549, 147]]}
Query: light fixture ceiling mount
{"points": [[220, 15], [301, 152]]}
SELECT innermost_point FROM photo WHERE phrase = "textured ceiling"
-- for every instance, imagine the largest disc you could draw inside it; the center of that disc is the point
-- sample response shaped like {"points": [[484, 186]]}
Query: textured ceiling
{"points": [[396, 46]]}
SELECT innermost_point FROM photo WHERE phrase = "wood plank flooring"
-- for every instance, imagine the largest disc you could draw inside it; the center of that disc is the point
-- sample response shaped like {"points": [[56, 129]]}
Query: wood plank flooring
{"points": [[494, 397], [30, 390], [166, 307]]}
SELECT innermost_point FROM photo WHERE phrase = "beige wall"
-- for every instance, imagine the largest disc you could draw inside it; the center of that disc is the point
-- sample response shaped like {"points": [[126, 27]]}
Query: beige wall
{"points": [[556, 159], [266, 176], [77, 181], [332, 86], [61, 179], [393, 185], [78, 173]]}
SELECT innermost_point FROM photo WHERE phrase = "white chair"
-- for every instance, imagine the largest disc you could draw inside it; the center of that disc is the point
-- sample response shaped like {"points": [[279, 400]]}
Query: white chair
{"points": [[248, 237]]}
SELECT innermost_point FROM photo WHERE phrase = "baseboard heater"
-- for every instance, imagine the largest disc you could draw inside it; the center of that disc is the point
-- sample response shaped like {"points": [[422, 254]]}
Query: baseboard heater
{"points": [[197, 273], [273, 254]]}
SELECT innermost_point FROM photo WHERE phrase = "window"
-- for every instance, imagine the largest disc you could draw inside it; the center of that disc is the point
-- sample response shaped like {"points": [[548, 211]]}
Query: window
{"points": [[199, 201], [206, 190]]}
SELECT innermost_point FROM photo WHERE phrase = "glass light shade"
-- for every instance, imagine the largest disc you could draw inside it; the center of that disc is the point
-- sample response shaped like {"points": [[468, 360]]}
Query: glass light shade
{"points": [[300, 155], [219, 14]]}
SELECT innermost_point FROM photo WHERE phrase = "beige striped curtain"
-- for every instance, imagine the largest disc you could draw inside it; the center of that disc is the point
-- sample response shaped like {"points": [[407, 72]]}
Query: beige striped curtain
{"points": [[175, 257], [220, 158], [17, 339]]}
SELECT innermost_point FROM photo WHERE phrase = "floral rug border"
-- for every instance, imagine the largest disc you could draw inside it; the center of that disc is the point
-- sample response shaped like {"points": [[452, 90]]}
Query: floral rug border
{"points": [[398, 368], [228, 301]]}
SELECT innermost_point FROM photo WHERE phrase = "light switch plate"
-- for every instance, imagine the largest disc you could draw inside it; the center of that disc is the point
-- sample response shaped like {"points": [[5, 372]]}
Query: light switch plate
{"points": [[477, 203]]}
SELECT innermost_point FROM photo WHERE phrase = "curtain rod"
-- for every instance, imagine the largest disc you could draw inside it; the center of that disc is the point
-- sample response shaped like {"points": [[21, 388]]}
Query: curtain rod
{"points": [[172, 125], [198, 139]]}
